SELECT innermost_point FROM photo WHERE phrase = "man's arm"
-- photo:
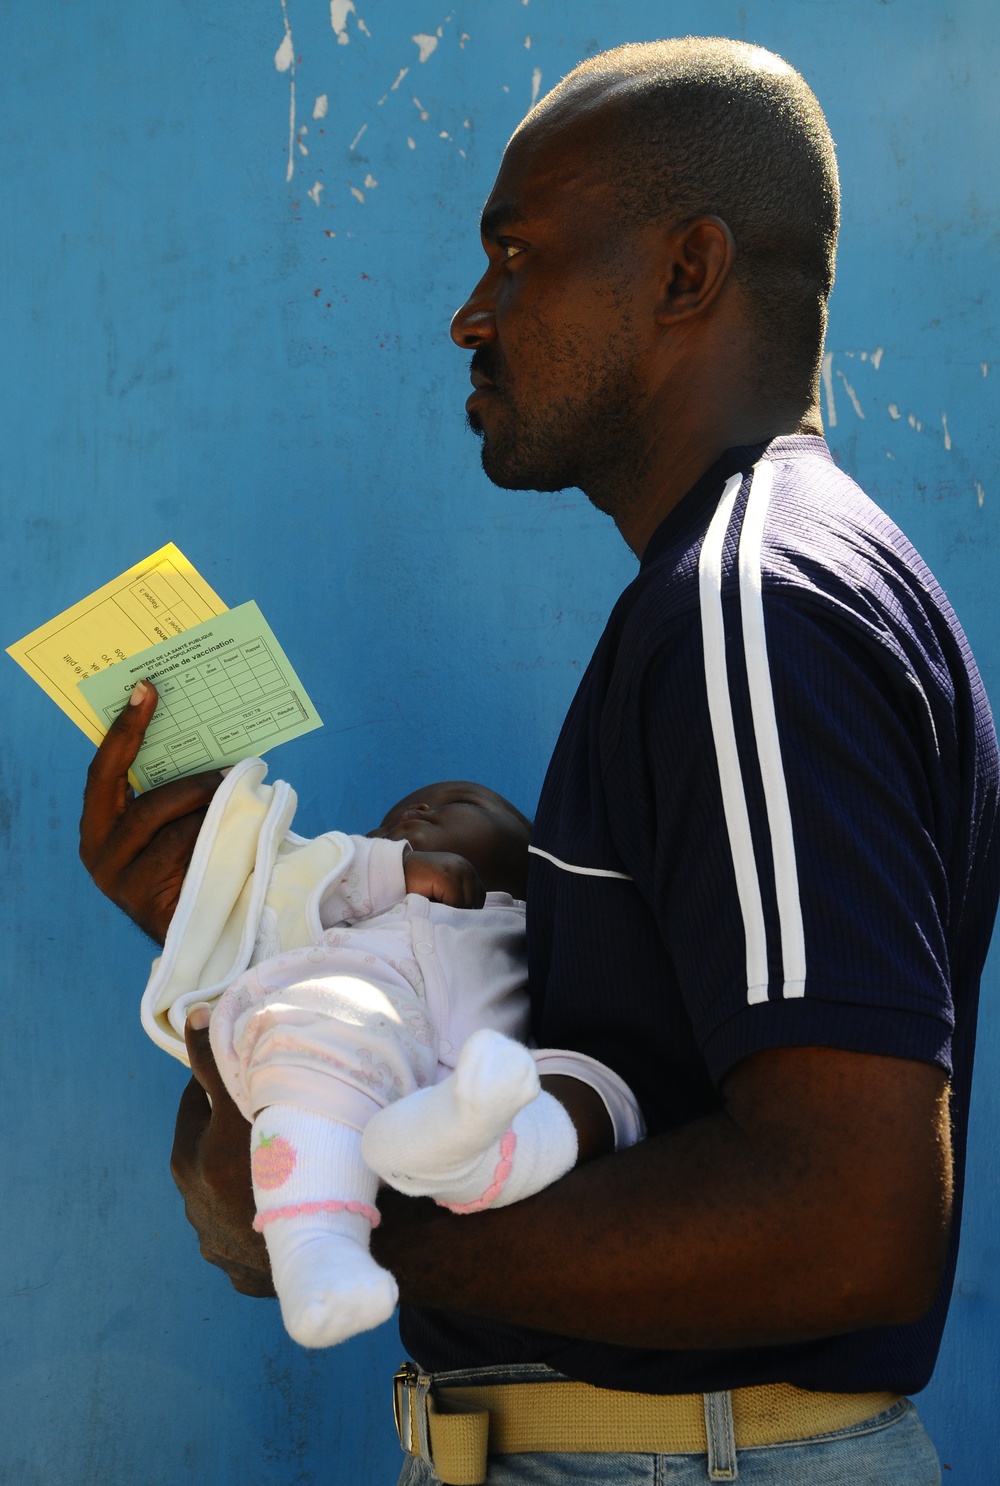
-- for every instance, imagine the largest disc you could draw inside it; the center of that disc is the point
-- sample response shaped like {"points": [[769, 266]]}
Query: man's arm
{"points": [[816, 1202]]}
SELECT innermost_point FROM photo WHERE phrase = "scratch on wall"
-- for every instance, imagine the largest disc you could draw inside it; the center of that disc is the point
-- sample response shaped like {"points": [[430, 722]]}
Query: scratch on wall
{"points": [[947, 435], [855, 401], [831, 404]]}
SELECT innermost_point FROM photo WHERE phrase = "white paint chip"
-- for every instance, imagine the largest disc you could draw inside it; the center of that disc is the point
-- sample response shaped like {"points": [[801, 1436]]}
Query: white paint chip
{"points": [[831, 405], [855, 404], [420, 108], [536, 83], [358, 195], [893, 411], [314, 194], [370, 182], [363, 27], [321, 106], [285, 55], [984, 367], [411, 142], [947, 435], [463, 39], [980, 494], [876, 357], [339, 11], [302, 148], [354, 141], [427, 44], [466, 123], [444, 134], [527, 43]]}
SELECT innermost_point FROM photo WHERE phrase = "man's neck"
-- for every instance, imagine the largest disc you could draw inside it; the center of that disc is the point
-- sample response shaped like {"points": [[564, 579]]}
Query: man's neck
{"points": [[670, 467]]}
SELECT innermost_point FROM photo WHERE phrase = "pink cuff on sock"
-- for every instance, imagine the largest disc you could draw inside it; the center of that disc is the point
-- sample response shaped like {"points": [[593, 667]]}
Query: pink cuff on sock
{"points": [[508, 1144], [306, 1209]]}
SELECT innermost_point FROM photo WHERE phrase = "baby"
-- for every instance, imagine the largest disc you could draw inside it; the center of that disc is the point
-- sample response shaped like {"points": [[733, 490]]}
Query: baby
{"points": [[370, 991]]}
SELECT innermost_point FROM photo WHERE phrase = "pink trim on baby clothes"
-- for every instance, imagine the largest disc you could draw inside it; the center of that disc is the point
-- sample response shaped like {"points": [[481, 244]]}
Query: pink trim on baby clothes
{"points": [[306, 1209], [508, 1144]]}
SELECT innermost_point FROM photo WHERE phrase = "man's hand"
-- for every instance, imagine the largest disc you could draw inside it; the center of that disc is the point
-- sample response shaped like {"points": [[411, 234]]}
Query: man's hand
{"points": [[210, 1163], [444, 878], [137, 848]]}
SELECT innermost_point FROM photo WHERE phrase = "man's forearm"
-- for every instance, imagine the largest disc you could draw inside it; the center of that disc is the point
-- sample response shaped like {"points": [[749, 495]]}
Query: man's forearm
{"points": [[729, 1232]]}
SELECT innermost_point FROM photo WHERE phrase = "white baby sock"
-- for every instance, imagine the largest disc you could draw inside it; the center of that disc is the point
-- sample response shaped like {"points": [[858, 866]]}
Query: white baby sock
{"points": [[315, 1206], [484, 1137]]}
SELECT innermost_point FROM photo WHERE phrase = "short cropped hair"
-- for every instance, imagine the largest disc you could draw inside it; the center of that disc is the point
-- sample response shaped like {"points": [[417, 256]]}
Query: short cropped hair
{"points": [[709, 126]]}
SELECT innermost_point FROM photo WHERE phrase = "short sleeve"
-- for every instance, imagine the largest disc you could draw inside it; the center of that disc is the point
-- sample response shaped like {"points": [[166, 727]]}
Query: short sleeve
{"points": [[788, 844]]}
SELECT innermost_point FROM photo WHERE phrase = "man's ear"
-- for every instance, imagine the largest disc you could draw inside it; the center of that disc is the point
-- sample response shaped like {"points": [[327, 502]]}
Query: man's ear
{"points": [[698, 258]]}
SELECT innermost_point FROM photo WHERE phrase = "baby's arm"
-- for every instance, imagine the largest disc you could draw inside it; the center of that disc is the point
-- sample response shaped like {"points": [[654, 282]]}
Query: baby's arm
{"points": [[489, 1134], [383, 872]]}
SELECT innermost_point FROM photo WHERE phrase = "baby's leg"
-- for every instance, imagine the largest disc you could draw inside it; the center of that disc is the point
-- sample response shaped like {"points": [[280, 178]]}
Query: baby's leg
{"points": [[484, 1137], [315, 1206]]}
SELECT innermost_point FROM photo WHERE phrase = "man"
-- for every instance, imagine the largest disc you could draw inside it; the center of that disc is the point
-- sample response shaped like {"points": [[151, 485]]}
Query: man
{"points": [[765, 867]]}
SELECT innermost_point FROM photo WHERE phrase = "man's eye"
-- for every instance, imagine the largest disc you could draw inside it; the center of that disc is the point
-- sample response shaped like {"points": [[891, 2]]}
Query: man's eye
{"points": [[510, 250]]}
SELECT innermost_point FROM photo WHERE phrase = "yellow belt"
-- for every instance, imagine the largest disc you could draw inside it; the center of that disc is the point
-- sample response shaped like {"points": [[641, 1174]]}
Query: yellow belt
{"points": [[461, 1425]]}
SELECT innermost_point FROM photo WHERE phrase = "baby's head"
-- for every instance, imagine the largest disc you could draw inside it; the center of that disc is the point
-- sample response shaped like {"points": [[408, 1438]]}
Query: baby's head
{"points": [[473, 822]]}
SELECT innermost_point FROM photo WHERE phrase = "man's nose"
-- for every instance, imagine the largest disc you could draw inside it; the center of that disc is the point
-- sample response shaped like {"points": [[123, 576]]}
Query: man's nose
{"points": [[475, 323]]}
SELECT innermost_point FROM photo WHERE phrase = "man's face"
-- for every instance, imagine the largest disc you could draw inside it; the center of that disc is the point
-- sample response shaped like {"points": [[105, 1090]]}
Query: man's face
{"points": [[558, 323], [470, 820]]}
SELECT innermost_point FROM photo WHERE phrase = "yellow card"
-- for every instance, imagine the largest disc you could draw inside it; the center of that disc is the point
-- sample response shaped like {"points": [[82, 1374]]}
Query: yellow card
{"points": [[156, 600]]}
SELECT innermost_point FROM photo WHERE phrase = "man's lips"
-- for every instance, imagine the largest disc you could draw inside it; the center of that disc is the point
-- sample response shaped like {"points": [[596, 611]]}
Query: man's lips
{"points": [[483, 387]]}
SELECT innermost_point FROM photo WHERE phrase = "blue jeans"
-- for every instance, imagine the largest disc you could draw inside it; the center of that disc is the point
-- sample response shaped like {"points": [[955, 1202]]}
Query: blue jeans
{"points": [[891, 1449]]}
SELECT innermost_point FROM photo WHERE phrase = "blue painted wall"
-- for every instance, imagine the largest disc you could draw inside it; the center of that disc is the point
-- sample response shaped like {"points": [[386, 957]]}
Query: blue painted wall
{"points": [[229, 334]]}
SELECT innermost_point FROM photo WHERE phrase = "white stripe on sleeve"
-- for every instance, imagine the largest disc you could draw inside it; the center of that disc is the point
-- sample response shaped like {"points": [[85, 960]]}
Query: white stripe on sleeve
{"points": [[580, 871], [724, 735], [779, 817]]}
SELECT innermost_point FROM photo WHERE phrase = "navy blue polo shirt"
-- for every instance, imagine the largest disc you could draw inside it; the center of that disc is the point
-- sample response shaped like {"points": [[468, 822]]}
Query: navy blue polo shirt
{"points": [[769, 821]]}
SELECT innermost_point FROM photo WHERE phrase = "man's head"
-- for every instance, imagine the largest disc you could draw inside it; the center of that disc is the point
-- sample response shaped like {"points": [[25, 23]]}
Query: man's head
{"points": [[473, 822], [662, 194]]}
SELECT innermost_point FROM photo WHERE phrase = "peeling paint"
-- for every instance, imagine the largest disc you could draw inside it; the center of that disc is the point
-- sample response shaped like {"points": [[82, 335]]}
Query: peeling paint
{"points": [[420, 108], [980, 494], [527, 43], [284, 61], [339, 11], [893, 411], [536, 84], [358, 195], [315, 192], [947, 435], [876, 357], [321, 106], [427, 44], [984, 367], [354, 141], [370, 182], [915, 422], [411, 142]]}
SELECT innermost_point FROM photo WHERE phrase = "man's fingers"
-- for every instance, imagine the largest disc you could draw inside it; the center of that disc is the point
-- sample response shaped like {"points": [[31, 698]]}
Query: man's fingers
{"points": [[193, 1115], [107, 776], [203, 1064], [114, 842]]}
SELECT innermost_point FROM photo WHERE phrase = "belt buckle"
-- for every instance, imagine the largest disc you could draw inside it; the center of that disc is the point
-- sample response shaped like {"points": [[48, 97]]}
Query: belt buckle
{"points": [[403, 1383], [410, 1388]]}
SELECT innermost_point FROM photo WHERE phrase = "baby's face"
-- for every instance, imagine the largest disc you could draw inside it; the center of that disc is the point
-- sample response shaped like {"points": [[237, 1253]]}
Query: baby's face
{"points": [[473, 822]]}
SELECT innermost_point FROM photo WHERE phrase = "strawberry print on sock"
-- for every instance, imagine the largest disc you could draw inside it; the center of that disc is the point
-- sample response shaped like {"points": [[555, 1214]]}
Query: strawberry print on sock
{"points": [[273, 1162]]}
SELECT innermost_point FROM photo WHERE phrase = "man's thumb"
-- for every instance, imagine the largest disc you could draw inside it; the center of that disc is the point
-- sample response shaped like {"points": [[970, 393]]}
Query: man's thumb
{"points": [[199, 1048]]}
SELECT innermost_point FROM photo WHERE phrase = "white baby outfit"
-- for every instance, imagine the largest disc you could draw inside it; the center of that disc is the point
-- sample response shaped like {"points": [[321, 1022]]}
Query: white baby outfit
{"points": [[337, 993]]}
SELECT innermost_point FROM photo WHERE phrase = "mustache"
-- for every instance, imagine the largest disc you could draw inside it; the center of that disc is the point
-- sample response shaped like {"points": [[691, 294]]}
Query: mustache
{"points": [[487, 361]]}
